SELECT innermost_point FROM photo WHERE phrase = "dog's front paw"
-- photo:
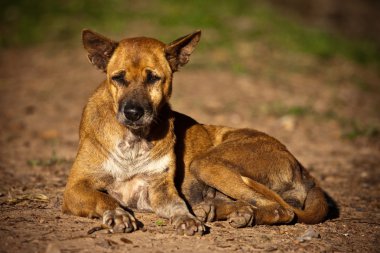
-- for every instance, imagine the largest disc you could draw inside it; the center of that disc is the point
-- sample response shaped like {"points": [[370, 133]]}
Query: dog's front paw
{"points": [[119, 220], [188, 225]]}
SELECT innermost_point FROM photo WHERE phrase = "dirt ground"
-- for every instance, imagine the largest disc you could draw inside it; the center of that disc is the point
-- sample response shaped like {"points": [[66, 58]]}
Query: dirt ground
{"points": [[302, 101]]}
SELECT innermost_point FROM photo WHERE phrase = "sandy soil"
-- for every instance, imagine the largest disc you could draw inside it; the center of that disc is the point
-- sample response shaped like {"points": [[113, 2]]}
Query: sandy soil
{"points": [[42, 93]]}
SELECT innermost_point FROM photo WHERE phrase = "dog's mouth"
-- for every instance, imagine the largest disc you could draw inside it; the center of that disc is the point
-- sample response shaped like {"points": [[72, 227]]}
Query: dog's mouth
{"points": [[136, 123]]}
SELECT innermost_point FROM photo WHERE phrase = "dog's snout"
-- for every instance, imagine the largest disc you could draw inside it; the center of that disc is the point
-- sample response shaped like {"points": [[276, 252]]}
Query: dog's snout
{"points": [[133, 113]]}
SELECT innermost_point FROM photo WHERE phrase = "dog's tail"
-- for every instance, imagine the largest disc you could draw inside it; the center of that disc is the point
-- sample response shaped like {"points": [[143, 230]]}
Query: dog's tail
{"points": [[315, 207]]}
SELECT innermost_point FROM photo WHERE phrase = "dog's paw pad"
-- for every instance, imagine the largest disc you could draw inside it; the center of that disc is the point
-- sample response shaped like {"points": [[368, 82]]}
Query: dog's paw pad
{"points": [[119, 221]]}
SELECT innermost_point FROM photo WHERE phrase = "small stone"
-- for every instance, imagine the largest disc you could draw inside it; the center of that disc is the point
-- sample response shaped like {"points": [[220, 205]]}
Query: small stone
{"points": [[270, 249], [288, 122], [126, 240], [308, 235]]}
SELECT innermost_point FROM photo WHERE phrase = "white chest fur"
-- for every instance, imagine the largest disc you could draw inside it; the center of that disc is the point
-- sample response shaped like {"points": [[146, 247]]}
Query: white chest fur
{"points": [[132, 157], [132, 194]]}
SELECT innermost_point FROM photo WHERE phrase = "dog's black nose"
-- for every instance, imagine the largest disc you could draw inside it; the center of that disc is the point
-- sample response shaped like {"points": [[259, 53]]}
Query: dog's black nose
{"points": [[133, 113]]}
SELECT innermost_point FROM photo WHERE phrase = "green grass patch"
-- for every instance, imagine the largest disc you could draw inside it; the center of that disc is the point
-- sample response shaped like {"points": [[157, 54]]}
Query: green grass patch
{"points": [[160, 223], [353, 130], [26, 22], [279, 109]]}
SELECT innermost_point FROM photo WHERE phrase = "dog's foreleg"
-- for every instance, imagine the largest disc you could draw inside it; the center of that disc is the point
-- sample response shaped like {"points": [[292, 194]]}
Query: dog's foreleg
{"points": [[83, 197], [166, 202]]}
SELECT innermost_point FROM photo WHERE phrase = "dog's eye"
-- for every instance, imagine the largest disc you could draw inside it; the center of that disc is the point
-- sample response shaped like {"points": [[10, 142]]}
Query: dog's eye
{"points": [[151, 77], [119, 78]]}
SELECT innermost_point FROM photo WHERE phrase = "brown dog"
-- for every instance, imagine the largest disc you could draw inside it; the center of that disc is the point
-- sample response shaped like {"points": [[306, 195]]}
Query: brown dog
{"points": [[135, 153]]}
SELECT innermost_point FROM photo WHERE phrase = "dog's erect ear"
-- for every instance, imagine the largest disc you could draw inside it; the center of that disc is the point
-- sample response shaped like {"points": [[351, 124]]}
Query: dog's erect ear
{"points": [[178, 52], [99, 48]]}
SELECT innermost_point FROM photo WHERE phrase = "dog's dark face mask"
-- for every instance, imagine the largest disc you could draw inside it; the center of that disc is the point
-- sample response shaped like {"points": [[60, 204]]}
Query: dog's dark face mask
{"points": [[135, 110]]}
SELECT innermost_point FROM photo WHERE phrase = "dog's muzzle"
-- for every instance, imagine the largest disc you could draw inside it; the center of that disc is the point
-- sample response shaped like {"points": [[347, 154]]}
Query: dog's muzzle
{"points": [[133, 113]]}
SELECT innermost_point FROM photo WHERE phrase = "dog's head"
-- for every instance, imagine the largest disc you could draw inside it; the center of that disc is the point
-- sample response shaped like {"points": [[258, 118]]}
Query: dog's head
{"points": [[139, 72]]}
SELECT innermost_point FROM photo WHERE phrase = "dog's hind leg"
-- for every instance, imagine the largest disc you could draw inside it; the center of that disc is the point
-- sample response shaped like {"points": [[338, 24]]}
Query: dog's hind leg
{"points": [[229, 182]]}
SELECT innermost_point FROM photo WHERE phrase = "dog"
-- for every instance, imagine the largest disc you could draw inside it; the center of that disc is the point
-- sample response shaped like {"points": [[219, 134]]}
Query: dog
{"points": [[137, 154]]}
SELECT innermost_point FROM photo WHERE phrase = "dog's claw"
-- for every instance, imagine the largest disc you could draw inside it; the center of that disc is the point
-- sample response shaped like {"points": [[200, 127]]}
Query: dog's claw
{"points": [[188, 225], [120, 221]]}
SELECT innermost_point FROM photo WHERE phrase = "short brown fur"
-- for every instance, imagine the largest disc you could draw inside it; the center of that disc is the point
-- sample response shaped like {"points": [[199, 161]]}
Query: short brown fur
{"points": [[136, 153]]}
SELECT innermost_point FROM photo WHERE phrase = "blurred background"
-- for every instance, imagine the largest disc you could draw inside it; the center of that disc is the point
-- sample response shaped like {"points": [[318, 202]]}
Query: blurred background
{"points": [[310, 26], [306, 72], [257, 60], [256, 39], [273, 65]]}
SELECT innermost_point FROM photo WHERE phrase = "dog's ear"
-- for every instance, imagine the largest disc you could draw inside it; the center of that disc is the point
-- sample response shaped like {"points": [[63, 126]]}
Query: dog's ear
{"points": [[178, 52], [99, 48]]}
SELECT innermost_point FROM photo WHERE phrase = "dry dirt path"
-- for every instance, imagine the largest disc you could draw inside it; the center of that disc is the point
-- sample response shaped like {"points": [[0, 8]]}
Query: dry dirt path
{"points": [[42, 93]]}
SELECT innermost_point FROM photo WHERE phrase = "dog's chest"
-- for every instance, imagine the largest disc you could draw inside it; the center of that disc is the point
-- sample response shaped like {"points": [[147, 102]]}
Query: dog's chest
{"points": [[132, 157], [133, 193], [131, 163]]}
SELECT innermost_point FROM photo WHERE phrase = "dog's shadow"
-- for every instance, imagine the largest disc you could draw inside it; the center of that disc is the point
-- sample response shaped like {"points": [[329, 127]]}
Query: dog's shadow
{"points": [[334, 211]]}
